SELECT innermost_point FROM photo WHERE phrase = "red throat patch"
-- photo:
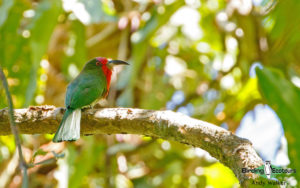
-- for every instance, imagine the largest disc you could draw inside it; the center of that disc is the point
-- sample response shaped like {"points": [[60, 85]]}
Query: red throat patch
{"points": [[107, 72]]}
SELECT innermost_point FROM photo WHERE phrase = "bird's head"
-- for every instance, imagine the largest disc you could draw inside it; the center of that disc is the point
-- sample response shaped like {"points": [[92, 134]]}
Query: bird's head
{"points": [[107, 65], [104, 62]]}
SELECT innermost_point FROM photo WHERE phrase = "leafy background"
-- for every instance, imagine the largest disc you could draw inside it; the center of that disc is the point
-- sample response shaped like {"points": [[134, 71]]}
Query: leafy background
{"points": [[214, 60]]}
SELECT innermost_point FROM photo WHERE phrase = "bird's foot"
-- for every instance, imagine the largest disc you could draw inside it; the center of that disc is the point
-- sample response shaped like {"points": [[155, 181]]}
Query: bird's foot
{"points": [[88, 107]]}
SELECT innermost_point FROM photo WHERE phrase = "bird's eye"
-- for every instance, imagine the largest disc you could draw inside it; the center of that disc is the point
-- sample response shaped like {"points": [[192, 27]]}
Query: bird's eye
{"points": [[98, 63]]}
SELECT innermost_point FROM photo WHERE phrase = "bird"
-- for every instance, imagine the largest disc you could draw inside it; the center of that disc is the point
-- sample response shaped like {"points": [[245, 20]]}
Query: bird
{"points": [[92, 84], [268, 169]]}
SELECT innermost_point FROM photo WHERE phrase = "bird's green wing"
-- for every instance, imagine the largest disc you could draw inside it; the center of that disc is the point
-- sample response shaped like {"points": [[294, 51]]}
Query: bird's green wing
{"points": [[84, 90]]}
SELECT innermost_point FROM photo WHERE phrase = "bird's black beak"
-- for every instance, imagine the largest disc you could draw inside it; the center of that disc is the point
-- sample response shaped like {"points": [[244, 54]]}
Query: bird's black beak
{"points": [[117, 62]]}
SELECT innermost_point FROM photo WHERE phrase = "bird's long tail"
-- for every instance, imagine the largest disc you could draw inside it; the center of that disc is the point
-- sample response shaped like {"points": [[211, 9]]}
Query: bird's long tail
{"points": [[69, 128]]}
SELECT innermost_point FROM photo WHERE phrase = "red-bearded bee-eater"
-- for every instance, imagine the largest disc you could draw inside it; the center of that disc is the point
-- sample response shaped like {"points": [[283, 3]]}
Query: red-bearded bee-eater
{"points": [[91, 84]]}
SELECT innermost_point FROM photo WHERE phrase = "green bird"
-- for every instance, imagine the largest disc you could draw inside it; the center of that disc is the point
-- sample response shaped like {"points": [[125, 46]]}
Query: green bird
{"points": [[88, 87]]}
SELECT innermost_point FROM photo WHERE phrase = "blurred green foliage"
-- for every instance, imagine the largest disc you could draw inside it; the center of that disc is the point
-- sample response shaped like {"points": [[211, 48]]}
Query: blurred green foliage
{"points": [[284, 98], [188, 56]]}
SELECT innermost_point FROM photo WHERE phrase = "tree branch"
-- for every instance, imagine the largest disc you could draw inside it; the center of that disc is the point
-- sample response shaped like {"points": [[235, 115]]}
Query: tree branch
{"points": [[234, 152], [14, 130]]}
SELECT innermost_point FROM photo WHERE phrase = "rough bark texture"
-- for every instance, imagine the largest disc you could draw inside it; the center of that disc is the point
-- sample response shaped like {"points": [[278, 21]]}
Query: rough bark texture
{"points": [[229, 149]]}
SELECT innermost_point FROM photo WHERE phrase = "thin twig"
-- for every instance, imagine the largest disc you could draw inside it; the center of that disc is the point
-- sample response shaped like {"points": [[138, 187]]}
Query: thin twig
{"points": [[23, 165], [102, 35]]}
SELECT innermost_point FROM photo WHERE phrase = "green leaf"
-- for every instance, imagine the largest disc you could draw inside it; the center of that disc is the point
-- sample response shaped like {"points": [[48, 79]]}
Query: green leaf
{"points": [[284, 98], [14, 51], [10, 34], [39, 152], [77, 44], [41, 30], [4, 10]]}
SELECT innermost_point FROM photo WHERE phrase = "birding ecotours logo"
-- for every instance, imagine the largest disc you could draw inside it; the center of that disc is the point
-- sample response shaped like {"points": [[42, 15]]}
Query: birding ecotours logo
{"points": [[268, 170]]}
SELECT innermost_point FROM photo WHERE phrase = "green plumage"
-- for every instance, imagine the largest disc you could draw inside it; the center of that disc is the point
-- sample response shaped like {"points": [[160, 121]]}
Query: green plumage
{"points": [[86, 88]]}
